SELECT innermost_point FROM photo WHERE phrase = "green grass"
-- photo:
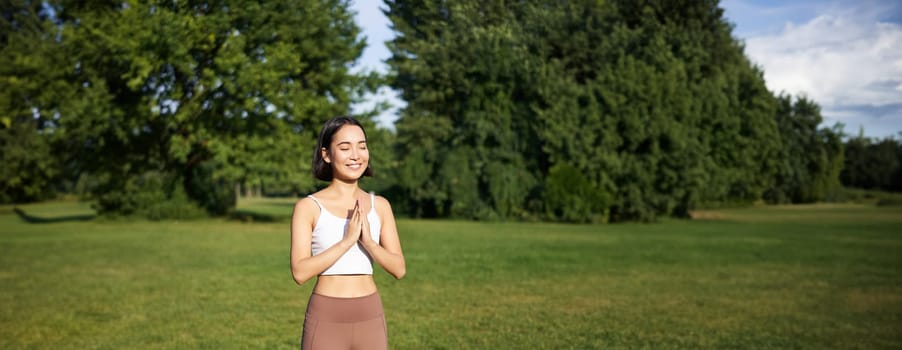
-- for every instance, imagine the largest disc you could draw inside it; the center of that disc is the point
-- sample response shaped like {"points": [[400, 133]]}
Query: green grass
{"points": [[800, 277], [264, 209]]}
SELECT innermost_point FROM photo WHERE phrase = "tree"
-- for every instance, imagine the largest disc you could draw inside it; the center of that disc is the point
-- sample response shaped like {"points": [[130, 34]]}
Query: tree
{"points": [[32, 85], [201, 94], [653, 103], [29, 170], [872, 164], [463, 140], [811, 159]]}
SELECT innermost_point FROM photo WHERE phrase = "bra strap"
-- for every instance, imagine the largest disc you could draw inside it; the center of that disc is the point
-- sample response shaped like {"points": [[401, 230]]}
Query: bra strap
{"points": [[316, 201], [373, 200]]}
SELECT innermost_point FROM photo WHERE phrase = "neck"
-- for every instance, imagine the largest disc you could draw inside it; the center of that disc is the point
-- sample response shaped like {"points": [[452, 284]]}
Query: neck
{"points": [[344, 189]]}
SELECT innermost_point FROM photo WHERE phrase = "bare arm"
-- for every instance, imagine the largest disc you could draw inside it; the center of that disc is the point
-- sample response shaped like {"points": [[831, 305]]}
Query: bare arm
{"points": [[388, 251], [303, 264]]}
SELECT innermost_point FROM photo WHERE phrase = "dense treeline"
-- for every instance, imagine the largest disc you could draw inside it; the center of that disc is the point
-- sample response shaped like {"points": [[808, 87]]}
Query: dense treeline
{"points": [[589, 110], [810, 159], [873, 164], [573, 111]]}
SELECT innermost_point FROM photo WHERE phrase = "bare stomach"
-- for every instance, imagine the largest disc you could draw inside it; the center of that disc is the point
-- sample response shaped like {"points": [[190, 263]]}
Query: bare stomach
{"points": [[345, 286]]}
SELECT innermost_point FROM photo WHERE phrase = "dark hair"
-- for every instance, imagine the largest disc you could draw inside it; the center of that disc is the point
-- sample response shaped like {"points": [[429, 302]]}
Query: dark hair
{"points": [[321, 169]]}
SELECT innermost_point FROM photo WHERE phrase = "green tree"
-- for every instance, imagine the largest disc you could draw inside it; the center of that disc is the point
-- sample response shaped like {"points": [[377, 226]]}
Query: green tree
{"points": [[811, 158], [32, 86], [29, 170], [203, 94], [872, 164], [653, 103], [463, 140]]}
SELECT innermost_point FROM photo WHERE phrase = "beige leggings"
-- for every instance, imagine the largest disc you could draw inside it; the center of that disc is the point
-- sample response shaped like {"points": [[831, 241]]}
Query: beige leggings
{"points": [[344, 323]]}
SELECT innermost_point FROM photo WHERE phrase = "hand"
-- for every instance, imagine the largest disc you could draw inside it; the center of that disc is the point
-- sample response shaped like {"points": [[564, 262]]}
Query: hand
{"points": [[355, 225], [366, 238]]}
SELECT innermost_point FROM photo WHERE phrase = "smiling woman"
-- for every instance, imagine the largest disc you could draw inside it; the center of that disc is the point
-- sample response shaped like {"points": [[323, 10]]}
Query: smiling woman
{"points": [[347, 144], [336, 234]]}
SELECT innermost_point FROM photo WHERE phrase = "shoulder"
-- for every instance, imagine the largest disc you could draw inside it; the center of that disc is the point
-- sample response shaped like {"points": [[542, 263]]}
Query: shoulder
{"points": [[381, 201], [305, 205], [382, 205]]}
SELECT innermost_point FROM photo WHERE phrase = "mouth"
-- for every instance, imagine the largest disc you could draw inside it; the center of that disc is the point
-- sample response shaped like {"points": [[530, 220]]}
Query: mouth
{"points": [[355, 166]]}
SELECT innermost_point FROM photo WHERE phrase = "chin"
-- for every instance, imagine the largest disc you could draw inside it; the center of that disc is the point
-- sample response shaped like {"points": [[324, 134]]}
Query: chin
{"points": [[350, 177]]}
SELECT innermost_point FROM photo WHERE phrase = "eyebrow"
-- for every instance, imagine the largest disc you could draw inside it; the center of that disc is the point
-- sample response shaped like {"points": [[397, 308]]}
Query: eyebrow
{"points": [[349, 142]]}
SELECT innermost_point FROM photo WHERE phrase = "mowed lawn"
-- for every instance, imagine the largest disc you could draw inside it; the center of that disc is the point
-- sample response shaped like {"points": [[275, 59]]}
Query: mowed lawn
{"points": [[800, 277]]}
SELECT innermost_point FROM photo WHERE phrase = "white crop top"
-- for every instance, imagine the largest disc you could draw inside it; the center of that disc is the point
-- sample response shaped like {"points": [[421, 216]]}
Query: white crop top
{"points": [[330, 229]]}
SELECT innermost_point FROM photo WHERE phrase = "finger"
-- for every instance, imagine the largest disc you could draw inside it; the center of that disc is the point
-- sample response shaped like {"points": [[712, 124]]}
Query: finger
{"points": [[357, 215], [366, 228]]}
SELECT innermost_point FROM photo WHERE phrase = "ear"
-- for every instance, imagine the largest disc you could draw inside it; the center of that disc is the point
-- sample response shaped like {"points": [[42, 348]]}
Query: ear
{"points": [[325, 154]]}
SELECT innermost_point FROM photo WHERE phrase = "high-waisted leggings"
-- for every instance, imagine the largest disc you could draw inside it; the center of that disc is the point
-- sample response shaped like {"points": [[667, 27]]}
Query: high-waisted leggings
{"points": [[344, 323]]}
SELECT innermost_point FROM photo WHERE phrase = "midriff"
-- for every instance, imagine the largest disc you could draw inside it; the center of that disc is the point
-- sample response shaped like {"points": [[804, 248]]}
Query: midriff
{"points": [[345, 286]]}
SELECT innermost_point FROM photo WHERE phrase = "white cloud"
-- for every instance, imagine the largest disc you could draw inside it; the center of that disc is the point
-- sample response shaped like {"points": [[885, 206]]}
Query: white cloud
{"points": [[844, 58]]}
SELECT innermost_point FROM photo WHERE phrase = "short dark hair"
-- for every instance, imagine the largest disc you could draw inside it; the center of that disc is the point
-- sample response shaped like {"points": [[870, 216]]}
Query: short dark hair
{"points": [[321, 169]]}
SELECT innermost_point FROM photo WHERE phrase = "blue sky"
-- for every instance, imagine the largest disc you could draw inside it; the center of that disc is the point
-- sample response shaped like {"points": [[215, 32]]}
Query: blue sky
{"points": [[846, 55]]}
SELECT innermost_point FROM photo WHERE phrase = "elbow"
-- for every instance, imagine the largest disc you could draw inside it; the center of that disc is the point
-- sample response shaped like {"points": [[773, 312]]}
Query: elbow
{"points": [[299, 281], [400, 273], [299, 277]]}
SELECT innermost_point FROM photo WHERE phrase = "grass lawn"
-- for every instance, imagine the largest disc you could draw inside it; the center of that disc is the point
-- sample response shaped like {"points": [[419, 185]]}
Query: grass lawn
{"points": [[799, 277]]}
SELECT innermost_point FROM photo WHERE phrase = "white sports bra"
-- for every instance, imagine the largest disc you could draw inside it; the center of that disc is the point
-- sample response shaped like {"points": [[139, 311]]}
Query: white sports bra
{"points": [[330, 229]]}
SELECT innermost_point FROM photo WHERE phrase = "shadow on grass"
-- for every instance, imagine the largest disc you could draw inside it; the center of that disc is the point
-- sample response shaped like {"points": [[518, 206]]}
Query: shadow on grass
{"points": [[250, 216], [42, 220]]}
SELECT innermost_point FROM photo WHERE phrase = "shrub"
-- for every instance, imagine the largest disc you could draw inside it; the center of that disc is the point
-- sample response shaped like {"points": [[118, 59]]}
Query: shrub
{"points": [[569, 196], [152, 195]]}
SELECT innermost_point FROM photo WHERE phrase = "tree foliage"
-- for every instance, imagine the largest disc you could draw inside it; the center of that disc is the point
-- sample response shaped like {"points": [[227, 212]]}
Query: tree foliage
{"points": [[873, 164], [650, 108], [581, 111], [198, 95], [30, 82], [811, 158]]}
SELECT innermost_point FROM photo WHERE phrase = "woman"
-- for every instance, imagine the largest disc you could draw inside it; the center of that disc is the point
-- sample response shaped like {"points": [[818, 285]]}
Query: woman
{"points": [[336, 234]]}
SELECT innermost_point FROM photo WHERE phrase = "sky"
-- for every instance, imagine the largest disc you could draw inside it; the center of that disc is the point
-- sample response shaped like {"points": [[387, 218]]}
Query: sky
{"points": [[846, 55]]}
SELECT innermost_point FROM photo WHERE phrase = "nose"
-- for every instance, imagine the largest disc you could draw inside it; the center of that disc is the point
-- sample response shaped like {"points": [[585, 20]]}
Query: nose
{"points": [[354, 153]]}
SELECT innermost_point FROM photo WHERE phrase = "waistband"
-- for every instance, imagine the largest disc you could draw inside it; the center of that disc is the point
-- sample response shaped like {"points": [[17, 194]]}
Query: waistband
{"points": [[344, 310]]}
